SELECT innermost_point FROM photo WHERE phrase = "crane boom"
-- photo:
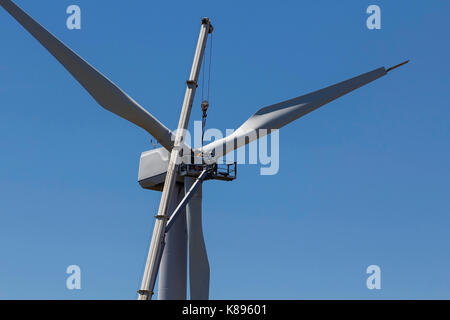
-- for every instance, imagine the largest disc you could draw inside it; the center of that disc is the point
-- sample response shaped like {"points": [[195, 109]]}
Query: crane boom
{"points": [[157, 242]]}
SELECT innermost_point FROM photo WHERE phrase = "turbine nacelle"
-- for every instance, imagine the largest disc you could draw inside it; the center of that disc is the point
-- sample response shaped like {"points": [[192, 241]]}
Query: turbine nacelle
{"points": [[153, 166]]}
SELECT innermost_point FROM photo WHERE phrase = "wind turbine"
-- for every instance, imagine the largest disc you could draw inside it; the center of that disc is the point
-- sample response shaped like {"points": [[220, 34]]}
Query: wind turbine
{"points": [[178, 235]]}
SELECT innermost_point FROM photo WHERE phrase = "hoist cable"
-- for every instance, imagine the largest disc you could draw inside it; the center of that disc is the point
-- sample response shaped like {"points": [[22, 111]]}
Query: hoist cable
{"points": [[210, 59], [203, 81], [204, 111]]}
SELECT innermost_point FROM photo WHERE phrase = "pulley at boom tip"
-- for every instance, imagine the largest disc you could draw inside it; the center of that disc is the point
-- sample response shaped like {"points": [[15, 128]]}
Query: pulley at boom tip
{"points": [[206, 20]]}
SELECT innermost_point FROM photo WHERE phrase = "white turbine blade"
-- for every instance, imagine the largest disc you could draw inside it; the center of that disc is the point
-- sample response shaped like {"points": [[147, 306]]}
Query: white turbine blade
{"points": [[280, 114], [198, 258], [106, 93]]}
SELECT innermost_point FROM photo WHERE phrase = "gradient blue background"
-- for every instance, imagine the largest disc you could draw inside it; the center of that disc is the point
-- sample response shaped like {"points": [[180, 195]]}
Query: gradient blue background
{"points": [[362, 181]]}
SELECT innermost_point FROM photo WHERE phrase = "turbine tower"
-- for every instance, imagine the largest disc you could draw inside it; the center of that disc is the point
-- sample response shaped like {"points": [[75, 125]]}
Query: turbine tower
{"points": [[176, 169]]}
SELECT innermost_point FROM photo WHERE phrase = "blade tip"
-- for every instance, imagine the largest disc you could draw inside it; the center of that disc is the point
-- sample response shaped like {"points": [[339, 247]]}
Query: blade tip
{"points": [[397, 66]]}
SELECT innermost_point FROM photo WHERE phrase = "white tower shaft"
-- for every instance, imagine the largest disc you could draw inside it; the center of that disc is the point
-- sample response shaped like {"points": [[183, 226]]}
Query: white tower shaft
{"points": [[172, 279]]}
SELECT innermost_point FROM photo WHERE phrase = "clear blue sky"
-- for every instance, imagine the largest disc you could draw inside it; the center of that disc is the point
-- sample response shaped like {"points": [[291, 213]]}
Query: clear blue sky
{"points": [[362, 181]]}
